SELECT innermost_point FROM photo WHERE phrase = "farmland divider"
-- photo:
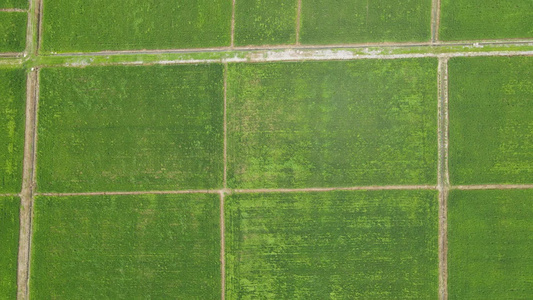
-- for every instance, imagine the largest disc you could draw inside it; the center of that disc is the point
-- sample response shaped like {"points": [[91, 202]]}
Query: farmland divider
{"points": [[443, 175], [28, 184]]}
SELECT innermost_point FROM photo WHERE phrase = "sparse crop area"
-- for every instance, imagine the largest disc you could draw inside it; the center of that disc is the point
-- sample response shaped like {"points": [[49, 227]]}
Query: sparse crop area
{"points": [[9, 241], [365, 21], [490, 244], [111, 247], [486, 19], [12, 107], [491, 137], [265, 22], [340, 245], [130, 128], [297, 125], [78, 25], [12, 31]]}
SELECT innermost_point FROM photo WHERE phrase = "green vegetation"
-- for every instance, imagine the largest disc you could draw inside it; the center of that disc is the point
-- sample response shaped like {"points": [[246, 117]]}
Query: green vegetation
{"points": [[490, 248], [332, 245], [363, 21], [13, 3], [265, 22], [125, 247], [365, 122], [78, 25], [130, 128], [491, 123], [12, 31], [12, 122], [9, 245], [486, 19]]}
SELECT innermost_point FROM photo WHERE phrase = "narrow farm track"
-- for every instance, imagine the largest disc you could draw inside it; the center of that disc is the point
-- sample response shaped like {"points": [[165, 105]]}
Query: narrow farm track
{"points": [[298, 20], [225, 124], [232, 42], [435, 21], [222, 247], [112, 193], [13, 10], [443, 175], [26, 211], [493, 187], [385, 46]]}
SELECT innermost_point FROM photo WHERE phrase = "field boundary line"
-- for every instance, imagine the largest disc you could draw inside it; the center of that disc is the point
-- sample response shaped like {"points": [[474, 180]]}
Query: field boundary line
{"points": [[225, 127], [9, 195], [298, 20], [14, 10], [118, 193], [435, 20], [39, 26], [289, 55], [493, 187], [443, 175], [222, 247], [354, 188], [384, 45], [28, 182], [11, 54], [232, 34]]}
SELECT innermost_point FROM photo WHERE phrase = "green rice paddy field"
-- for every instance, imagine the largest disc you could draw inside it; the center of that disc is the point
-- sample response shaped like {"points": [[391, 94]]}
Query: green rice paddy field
{"points": [[12, 31], [13, 3], [490, 239], [366, 122], [332, 245], [124, 247], [491, 125], [289, 125], [9, 237], [240, 179], [130, 128], [12, 115]]}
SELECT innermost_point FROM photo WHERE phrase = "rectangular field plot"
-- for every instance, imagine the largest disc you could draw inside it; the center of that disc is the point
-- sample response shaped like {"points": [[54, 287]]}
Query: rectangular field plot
{"points": [[12, 31], [12, 120], [491, 137], [130, 128], [332, 245], [364, 21], [78, 25], [323, 124], [265, 22], [486, 19], [490, 244], [9, 245], [126, 247], [13, 3]]}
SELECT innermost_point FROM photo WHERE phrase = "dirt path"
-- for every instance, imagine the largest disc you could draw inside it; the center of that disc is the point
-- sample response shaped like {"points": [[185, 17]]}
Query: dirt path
{"points": [[113, 193], [355, 188], [18, 10], [26, 210], [443, 175], [493, 187], [435, 20], [232, 39], [298, 20], [222, 247], [225, 124]]}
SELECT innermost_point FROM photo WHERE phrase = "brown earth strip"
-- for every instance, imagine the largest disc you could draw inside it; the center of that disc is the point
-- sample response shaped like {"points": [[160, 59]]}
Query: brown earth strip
{"points": [[443, 175], [232, 24], [19, 10], [222, 247], [225, 151], [493, 187], [23, 272], [298, 20]]}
